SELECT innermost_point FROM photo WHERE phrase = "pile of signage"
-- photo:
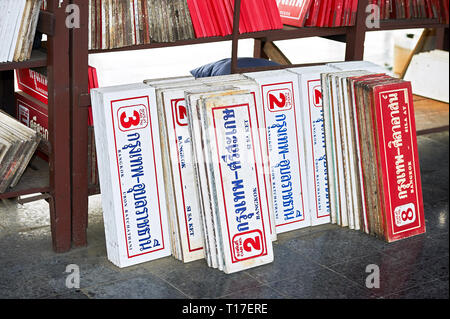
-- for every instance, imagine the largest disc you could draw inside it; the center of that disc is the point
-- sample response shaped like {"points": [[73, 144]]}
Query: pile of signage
{"points": [[17, 146], [217, 167]]}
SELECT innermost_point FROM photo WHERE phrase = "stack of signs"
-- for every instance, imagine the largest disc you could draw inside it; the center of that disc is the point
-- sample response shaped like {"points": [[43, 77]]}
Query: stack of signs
{"points": [[183, 202], [346, 190], [131, 176], [210, 228], [357, 65], [373, 162], [282, 127], [244, 83], [17, 145], [229, 164], [344, 184], [314, 141], [18, 28]]}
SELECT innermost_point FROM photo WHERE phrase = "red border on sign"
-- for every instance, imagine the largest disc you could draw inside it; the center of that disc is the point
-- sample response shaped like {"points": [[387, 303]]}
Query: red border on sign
{"points": [[294, 7], [386, 170], [298, 147], [20, 101], [41, 96], [156, 175], [179, 170], [257, 181], [312, 147], [262, 161]]}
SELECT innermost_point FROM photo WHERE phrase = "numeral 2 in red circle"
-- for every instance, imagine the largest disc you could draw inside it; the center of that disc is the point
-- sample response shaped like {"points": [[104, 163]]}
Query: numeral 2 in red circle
{"points": [[248, 245], [280, 102], [252, 244]]}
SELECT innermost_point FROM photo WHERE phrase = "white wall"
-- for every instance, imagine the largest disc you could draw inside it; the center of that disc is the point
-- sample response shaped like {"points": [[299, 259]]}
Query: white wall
{"points": [[135, 66]]}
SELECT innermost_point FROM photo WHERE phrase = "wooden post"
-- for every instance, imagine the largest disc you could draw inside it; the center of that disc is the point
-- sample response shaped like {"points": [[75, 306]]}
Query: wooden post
{"points": [[272, 52], [440, 38], [79, 127], [59, 129], [258, 49], [235, 36], [356, 34], [446, 40]]}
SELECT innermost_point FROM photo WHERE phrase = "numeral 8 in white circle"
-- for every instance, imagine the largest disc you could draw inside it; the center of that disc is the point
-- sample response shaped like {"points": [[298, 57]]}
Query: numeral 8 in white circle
{"points": [[405, 214]]}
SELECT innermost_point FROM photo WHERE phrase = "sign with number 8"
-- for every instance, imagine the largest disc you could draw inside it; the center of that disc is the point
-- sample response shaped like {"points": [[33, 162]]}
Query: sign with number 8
{"points": [[405, 214]]}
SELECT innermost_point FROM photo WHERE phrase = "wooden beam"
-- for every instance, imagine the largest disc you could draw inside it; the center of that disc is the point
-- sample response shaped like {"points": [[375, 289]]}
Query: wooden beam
{"points": [[235, 36], [275, 54], [258, 49], [356, 34], [46, 23]]}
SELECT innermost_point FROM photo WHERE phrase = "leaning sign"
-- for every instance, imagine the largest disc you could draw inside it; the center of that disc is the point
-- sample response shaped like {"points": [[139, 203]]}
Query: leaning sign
{"points": [[131, 179]]}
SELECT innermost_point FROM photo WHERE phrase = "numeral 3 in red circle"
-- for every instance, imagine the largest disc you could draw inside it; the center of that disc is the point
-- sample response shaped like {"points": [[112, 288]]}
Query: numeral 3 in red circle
{"points": [[129, 121], [132, 117]]}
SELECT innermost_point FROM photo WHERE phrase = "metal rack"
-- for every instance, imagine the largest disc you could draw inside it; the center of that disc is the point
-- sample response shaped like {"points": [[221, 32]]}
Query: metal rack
{"points": [[65, 185]]}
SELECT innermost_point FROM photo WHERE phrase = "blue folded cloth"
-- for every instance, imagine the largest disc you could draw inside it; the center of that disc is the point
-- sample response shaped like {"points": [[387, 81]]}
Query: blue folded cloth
{"points": [[223, 67]]}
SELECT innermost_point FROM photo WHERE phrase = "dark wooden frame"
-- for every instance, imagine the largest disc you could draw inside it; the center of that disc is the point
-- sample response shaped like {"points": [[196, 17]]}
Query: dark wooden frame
{"points": [[57, 190]]}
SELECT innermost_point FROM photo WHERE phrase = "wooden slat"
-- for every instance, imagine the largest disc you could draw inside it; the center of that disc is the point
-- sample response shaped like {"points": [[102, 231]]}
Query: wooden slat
{"points": [[275, 54], [430, 114], [269, 35], [38, 58], [35, 179], [398, 24], [433, 130], [46, 23]]}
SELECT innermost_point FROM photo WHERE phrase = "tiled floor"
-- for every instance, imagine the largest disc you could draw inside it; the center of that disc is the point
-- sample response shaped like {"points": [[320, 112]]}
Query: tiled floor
{"points": [[321, 262]]}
